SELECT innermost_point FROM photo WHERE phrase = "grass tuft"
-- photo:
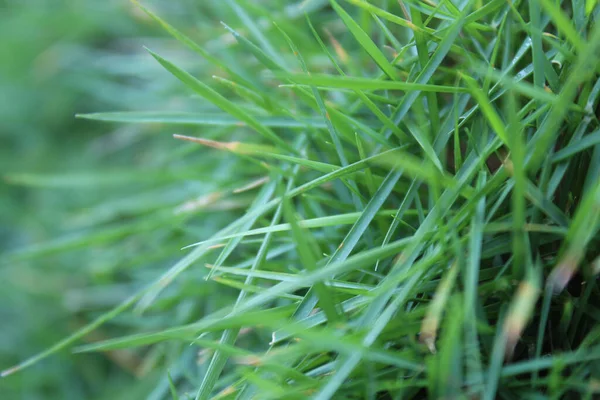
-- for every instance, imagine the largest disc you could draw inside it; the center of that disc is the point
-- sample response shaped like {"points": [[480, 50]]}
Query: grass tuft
{"points": [[410, 211]]}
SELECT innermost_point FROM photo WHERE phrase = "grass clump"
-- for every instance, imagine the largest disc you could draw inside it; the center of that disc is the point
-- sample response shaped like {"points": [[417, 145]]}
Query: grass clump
{"points": [[402, 200]]}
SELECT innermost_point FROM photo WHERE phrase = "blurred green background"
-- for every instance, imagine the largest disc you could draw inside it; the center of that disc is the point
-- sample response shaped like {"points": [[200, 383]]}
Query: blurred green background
{"points": [[80, 200]]}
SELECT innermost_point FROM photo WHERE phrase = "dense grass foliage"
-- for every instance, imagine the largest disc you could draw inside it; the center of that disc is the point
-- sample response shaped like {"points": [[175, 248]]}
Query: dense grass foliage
{"points": [[366, 199]]}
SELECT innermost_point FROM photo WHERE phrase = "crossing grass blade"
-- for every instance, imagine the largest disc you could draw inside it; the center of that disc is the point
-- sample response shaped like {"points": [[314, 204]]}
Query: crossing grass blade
{"points": [[365, 41], [367, 84], [191, 44], [221, 102]]}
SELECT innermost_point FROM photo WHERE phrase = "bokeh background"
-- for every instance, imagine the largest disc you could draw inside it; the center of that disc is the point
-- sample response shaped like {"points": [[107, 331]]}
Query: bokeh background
{"points": [[81, 201]]}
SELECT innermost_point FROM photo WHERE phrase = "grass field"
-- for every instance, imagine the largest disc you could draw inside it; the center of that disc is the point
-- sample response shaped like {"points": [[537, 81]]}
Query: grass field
{"points": [[283, 200]]}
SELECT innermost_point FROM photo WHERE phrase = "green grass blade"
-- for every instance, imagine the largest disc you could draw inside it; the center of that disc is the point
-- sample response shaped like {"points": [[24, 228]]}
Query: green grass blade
{"points": [[192, 45], [367, 83], [365, 41], [221, 102], [208, 119]]}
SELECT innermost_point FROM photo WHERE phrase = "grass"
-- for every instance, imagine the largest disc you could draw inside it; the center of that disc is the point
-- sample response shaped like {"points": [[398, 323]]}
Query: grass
{"points": [[376, 200]]}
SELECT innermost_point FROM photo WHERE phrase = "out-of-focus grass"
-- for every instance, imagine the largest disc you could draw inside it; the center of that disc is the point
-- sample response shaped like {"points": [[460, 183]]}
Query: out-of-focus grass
{"points": [[376, 199], [59, 58]]}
